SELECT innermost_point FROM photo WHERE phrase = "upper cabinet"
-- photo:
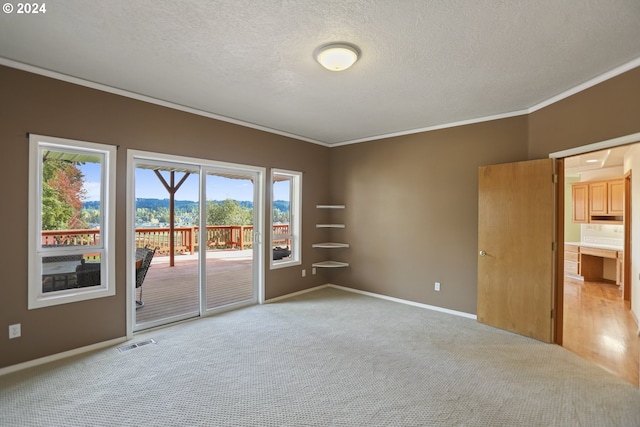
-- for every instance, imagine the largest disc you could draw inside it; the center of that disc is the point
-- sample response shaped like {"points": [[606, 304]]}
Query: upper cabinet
{"points": [[580, 197], [598, 198], [598, 201], [615, 197]]}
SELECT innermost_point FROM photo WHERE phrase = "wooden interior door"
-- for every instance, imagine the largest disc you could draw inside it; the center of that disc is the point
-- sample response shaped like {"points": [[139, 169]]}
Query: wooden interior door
{"points": [[515, 254]]}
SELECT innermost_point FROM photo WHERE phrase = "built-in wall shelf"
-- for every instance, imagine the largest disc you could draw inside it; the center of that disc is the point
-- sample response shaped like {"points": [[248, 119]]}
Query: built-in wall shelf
{"points": [[330, 206], [330, 264], [330, 245]]}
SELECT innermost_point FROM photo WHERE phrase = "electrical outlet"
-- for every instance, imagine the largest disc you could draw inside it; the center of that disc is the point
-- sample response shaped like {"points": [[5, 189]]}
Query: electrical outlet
{"points": [[304, 272], [437, 286], [14, 331], [313, 270]]}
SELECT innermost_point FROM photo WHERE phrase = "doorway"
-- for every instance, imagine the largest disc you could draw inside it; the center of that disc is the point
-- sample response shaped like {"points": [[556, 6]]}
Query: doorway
{"points": [[204, 220], [598, 324]]}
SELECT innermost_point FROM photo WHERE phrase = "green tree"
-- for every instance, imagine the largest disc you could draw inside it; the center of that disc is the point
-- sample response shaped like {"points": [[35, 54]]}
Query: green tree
{"points": [[62, 195], [162, 214], [55, 212], [280, 216], [91, 216], [229, 212]]}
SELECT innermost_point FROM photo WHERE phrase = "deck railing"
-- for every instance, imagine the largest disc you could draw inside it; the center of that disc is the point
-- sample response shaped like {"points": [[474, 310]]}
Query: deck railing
{"points": [[185, 238], [83, 237]]}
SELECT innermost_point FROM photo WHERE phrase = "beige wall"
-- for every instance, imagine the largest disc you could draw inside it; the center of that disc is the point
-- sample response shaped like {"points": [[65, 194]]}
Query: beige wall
{"points": [[411, 201], [412, 209], [40, 105], [608, 110]]}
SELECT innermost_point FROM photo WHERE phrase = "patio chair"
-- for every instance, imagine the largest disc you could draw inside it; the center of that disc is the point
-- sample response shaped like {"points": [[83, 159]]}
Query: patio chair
{"points": [[145, 255], [280, 252], [87, 274]]}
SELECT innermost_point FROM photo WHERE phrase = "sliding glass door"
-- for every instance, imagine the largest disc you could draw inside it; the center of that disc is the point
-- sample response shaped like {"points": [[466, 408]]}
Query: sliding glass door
{"points": [[167, 206], [230, 219], [200, 221]]}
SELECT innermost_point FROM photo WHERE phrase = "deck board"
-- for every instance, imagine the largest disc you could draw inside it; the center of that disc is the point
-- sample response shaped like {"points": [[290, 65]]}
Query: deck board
{"points": [[169, 291]]}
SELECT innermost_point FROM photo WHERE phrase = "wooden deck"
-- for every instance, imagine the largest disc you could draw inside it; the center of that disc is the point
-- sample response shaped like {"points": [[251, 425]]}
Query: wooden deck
{"points": [[172, 291]]}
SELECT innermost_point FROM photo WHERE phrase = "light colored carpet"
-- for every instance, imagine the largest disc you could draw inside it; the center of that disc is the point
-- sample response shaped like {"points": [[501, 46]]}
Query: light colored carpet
{"points": [[326, 358]]}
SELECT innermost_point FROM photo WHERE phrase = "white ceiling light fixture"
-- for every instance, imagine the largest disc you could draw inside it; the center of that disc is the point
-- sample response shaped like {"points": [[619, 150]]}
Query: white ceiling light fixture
{"points": [[337, 56]]}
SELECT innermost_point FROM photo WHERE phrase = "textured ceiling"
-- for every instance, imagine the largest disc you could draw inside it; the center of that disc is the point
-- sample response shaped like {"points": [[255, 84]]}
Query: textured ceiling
{"points": [[424, 63]]}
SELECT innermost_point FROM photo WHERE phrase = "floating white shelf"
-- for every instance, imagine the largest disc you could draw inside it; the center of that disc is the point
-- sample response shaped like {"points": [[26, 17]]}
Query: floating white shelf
{"points": [[330, 264], [330, 245], [330, 206]]}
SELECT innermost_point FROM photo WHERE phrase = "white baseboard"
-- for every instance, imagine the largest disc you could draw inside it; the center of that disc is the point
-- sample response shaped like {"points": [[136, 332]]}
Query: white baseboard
{"points": [[294, 294], [404, 301], [59, 356], [371, 294]]}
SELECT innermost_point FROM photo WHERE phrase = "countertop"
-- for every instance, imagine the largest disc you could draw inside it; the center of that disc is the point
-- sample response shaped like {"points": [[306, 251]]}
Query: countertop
{"points": [[596, 246]]}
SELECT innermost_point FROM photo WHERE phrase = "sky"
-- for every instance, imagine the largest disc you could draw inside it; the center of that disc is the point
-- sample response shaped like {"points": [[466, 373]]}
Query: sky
{"points": [[148, 186]]}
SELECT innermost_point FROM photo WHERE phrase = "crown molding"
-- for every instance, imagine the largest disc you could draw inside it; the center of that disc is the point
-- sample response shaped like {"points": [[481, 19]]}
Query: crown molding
{"points": [[434, 127], [128, 94], [586, 85], [105, 88]]}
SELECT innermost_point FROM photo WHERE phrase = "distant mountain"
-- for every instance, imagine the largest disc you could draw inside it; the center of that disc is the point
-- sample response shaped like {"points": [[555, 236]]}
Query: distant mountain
{"points": [[93, 204], [186, 205], [153, 204], [282, 205]]}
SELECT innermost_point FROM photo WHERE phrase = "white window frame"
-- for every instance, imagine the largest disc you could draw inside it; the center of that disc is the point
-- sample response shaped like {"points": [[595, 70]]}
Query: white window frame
{"points": [[106, 246], [295, 224]]}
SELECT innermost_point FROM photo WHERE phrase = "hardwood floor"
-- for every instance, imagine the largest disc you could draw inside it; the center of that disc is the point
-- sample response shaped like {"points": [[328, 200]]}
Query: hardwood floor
{"points": [[599, 327]]}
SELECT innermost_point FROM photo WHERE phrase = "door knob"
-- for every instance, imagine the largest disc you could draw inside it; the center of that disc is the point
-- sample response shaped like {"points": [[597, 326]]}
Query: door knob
{"points": [[483, 253]]}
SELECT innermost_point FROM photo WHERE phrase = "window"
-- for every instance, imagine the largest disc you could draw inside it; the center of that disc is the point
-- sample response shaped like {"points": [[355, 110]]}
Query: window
{"points": [[72, 221], [286, 209]]}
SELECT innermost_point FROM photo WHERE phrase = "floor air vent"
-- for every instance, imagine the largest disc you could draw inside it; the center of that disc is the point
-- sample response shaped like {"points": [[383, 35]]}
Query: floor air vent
{"points": [[136, 345]]}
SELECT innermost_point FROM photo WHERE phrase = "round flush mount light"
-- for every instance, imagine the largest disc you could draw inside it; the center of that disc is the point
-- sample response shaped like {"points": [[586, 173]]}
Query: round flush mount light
{"points": [[337, 56]]}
